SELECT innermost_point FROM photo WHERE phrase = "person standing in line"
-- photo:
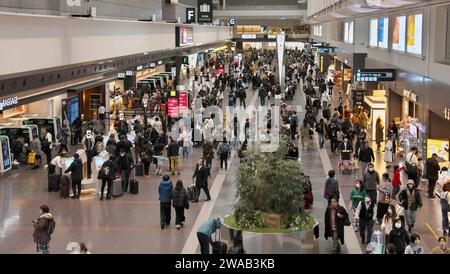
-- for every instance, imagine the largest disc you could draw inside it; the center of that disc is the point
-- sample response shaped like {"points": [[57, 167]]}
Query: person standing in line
{"points": [[371, 181], [384, 196], [365, 214], [432, 173], [442, 247], [107, 174], [46, 145], [201, 175], [165, 197], [76, 175], [331, 187], [43, 228], [388, 153], [414, 246], [173, 151], [356, 196], [410, 200], [398, 237], [204, 233], [125, 164], [365, 156], [336, 217], [180, 202]]}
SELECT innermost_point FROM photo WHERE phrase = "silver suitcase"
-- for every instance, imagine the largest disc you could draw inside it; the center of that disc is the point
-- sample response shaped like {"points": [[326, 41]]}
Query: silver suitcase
{"points": [[117, 188]]}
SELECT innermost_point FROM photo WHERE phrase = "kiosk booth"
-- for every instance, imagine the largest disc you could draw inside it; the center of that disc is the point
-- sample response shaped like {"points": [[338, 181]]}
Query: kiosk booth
{"points": [[96, 165], [26, 133], [50, 124], [5, 155]]}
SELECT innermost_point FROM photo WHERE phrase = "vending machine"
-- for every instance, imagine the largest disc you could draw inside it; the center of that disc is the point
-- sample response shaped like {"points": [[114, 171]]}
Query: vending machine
{"points": [[5, 155]]}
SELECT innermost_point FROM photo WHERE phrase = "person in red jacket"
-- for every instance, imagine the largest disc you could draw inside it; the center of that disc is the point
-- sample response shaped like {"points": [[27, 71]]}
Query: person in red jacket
{"points": [[396, 183]]}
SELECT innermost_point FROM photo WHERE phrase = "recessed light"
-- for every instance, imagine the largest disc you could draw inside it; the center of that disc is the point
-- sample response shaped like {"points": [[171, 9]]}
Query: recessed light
{"points": [[282, 18]]}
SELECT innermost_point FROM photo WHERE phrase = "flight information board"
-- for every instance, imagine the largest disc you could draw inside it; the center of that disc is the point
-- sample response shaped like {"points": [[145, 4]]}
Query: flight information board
{"points": [[375, 75]]}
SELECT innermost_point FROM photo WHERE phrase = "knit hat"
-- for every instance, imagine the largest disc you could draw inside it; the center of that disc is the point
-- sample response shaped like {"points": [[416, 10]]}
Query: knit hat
{"points": [[410, 182]]}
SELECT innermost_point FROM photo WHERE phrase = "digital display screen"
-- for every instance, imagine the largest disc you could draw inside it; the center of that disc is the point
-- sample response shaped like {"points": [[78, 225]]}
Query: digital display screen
{"points": [[383, 32], [414, 41], [414, 130], [131, 137], [5, 153], [99, 161], [73, 109], [399, 33], [172, 107], [186, 36], [68, 162], [375, 75], [374, 32]]}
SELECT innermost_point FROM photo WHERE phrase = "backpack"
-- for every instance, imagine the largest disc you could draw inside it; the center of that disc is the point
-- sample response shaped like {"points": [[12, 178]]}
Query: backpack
{"points": [[104, 172], [224, 149], [50, 226], [411, 169], [45, 145]]}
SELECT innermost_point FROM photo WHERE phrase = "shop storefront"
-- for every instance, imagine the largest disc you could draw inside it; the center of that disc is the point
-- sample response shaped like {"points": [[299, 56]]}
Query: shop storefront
{"points": [[376, 106]]}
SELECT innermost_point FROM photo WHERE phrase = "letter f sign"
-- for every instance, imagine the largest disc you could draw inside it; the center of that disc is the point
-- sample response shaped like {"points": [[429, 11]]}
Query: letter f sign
{"points": [[73, 3], [190, 15]]}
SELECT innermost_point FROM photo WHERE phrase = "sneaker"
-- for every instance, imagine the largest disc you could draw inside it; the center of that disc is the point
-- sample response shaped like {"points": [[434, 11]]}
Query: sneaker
{"points": [[73, 197], [178, 227]]}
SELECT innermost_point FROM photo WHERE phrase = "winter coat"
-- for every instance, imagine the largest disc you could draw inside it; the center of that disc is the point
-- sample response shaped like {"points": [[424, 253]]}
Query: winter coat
{"points": [[165, 191], [432, 169], [357, 196], [173, 149], [371, 180], [112, 169], [40, 234], [399, 238], [331, 188], [209, 227], [403, 199], [76, 169], [366, 155], [125, 162], [379, 136], [180, 198], [340, 223], [201, 176]]}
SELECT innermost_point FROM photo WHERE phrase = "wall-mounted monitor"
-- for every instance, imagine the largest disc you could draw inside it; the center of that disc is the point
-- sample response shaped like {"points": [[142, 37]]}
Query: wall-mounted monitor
{"points": [[184, 36]]}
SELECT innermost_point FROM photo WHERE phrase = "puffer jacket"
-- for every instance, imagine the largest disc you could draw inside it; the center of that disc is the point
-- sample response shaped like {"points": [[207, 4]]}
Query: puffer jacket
{"points": [[179, 197], [40, 235], [165, 191]]}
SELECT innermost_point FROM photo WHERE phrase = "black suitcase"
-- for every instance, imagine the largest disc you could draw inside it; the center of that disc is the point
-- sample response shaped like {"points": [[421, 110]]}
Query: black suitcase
{"points": [[236, 249], [219, 247], [134, 186], [139, 169], [53, 182], [191, 193], [65, 187]]}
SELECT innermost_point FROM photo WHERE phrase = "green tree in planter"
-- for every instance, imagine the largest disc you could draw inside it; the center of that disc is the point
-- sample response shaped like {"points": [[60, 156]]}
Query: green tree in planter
{"points": [[269, 183]]}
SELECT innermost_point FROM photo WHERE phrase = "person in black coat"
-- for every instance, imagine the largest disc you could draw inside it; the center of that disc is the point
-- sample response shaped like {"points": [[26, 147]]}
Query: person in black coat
{"points": [[201, 175], [180, 202], [146, 157], [398, 237], [76, 175], [124, 144], [107, 174], [336, 217], [432, 173], [125, 164]]}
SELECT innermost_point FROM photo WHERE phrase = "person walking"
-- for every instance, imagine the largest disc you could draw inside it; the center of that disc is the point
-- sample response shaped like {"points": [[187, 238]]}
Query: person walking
{"points": [[262, 93], [46, 145], [365, 156], [445, 207], [357, 195], [125, 164], [321, 129], [336, 217], [77, 128], [388, 153], [201, 175], [432, 169], [107, 174], [205, 232], [331, 187], [384, 196], [224, 151], [387, 223], [414, 246], [208, 153], [76, 175], [43, 228], [365, 215], [442, 247], [173, 151], [398, 237], [62, 138], [410, 200], [379, 134], [180, 202], [396, 182], [371, 179], [165, 197]]}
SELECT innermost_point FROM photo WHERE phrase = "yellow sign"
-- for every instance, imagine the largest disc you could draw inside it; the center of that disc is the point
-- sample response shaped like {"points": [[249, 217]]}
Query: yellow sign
{"points": [[173, 93], [321, 63], [347, 75], [411, 30], [440, 147]]}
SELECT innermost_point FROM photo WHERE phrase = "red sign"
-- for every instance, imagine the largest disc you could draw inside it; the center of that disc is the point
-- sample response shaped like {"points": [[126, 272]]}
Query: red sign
{"points": [[183, 101], [172, 107]]}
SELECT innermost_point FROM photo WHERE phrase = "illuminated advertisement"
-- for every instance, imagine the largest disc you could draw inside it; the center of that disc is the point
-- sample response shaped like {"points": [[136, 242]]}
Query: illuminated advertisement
{"points": [[172, 107], [347, 75], [374, 32], [184, 36], [440, 147], [5, 153], [383, 32], [399, 33], [348, 32], [183, 101], [414, 41]]}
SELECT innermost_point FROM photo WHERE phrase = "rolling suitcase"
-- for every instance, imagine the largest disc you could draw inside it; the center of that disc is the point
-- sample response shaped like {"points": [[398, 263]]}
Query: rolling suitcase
{"points": [[219, 247], [139, 169], [65, 187], [117, 188], [53, 182], [134, 186], [236, 249], [191, 193]]}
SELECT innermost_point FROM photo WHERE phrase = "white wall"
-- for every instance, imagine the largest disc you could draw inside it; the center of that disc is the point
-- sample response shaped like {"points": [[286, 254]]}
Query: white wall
{"points": [[42, 107], [29, 42]]}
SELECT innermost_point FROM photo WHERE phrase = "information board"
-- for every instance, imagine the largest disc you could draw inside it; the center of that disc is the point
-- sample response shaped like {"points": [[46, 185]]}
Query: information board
{"points": [[375, 75]]}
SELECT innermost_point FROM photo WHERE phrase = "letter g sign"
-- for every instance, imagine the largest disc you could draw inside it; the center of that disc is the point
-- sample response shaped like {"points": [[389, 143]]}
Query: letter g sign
{"points": [[73, 3]]}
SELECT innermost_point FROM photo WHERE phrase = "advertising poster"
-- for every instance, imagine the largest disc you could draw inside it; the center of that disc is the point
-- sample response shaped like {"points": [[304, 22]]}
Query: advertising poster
{"points": [[440, 147], [172, 107], [183, 101], [383, 32], [411, 29], [347, 75], [399, 33], [374, 32], [5, 153], [414, 37]]}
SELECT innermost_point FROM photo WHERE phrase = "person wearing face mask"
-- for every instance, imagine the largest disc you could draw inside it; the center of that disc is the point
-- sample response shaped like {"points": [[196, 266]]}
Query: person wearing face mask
{"points": [[442, 247], [371, 180], [365, 215], [88, 142], [414, 246], [410, 200], [356, 196], [365, 156], [388, 221], [336, 217], [346, 149], [384, 196], [398, 237]]}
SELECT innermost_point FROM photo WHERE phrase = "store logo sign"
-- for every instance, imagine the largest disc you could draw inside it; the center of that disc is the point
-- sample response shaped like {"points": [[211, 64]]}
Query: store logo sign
{"points": [[190, 15], [232, 22], [73, 3], [8, 102]]}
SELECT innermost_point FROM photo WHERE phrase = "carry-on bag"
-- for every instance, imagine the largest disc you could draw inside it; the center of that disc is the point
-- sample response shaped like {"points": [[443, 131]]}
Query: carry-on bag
{"points": [[139, 169], [117, 188], [65, 187], [53, 182], [31, 160], [134, 186], [219, 247], [191, 193]]}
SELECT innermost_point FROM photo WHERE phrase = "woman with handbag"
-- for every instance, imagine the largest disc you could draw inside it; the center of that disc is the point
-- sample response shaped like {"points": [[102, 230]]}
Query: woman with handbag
{"points": [[180, 203], [384, 196]]}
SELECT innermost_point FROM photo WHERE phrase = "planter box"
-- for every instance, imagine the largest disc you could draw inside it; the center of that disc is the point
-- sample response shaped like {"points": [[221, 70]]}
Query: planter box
{"points": [[272, 220]]}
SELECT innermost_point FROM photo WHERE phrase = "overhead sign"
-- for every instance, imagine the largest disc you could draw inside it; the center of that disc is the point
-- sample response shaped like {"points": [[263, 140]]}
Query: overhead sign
{"points": [[232, 22], [190, 15], [375, 75], [121, 75], [8, 102], [248, 36], [139, 67], [73, 3], [205, 11], [129, 73], [160, 62], [185, 60]]}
